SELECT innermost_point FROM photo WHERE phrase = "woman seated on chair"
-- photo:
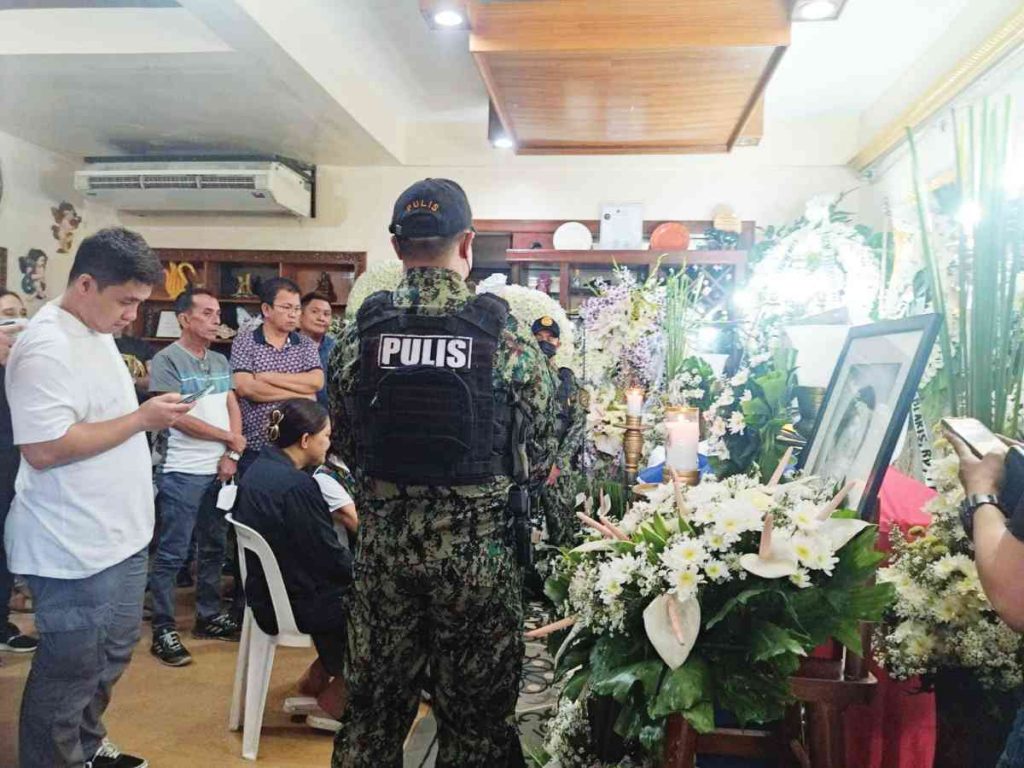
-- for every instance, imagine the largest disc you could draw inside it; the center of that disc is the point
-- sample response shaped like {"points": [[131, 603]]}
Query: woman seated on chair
{"points": [[282, 502]]}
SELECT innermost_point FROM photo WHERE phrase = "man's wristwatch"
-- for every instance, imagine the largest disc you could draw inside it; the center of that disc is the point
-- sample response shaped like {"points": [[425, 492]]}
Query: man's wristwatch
{"points": [[233, 455], [970, 505]]}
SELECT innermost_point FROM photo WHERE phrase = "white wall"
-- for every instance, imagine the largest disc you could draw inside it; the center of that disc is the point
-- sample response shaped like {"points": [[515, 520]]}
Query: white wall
{"points": [[355, 202], [36, 180]]}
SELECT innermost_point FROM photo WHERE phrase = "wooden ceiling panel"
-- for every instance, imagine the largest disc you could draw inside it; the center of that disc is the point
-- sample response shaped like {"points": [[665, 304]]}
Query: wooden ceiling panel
{"points": [[597, 76]]}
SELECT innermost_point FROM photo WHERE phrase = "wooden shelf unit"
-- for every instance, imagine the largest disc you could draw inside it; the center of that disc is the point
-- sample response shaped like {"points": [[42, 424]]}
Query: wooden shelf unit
{"points": [[216, 267]]}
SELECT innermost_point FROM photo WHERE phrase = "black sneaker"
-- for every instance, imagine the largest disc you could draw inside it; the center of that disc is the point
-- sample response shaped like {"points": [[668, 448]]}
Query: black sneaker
{"points": [[109, 756], [220, 627], [168, 649], [12, 640]]}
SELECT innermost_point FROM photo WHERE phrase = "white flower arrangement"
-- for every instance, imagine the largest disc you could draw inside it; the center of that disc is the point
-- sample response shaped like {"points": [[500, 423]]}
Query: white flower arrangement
{"points": [[941, 618], [382, 276], [708, 590]]}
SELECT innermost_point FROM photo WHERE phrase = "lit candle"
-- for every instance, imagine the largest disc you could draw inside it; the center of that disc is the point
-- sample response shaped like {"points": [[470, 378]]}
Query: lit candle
{"points": [[681, 447], [634, 401]]}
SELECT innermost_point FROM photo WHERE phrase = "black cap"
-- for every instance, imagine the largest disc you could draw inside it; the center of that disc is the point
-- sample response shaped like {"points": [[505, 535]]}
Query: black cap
{"points": [[431, 208], [546, 323]]}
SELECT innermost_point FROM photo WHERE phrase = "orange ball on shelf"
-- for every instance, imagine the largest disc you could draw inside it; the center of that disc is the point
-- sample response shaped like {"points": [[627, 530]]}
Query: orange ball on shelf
{"points": [[670, 236]]}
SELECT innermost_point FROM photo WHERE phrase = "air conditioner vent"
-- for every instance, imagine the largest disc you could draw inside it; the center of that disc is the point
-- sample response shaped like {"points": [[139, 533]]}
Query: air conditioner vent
{"points": [[228, 182]]}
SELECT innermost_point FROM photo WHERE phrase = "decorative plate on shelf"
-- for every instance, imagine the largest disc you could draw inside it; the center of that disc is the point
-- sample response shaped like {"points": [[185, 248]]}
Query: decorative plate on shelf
{"points": [[670, 236], [573, 236]]}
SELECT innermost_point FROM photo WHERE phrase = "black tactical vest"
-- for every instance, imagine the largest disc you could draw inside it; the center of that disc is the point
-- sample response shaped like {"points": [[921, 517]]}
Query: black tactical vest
{"points": [[425, 409]]}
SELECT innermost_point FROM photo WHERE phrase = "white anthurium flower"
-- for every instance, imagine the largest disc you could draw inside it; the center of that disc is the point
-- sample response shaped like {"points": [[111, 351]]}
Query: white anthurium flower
{"points": [[775, 558], [672, 626], [597, 545], [839, 532]]}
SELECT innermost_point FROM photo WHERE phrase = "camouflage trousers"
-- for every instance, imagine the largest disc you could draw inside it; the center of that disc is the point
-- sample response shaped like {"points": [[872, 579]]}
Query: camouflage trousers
{"points": [[558, 505], [458, 620]]}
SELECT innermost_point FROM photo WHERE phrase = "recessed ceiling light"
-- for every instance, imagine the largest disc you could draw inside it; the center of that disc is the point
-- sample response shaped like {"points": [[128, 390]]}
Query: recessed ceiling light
{"points": [[817, 10], [449, 19], [503, 142]]}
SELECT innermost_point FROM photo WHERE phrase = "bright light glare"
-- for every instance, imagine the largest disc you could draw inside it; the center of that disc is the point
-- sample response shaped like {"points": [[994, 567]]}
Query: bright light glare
{"points": [[817, 10], [504, 142], [969, 215], [707, 338], [745, 301], [448, 19]]}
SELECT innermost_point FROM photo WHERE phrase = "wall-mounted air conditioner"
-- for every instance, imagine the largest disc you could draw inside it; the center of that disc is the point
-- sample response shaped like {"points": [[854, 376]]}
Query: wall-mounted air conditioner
{"points": [[200, 185]]}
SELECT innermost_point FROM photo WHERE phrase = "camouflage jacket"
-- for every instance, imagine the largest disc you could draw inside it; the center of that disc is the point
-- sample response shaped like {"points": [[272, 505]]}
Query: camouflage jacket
{"points": [[432, 517], [574, 407]]}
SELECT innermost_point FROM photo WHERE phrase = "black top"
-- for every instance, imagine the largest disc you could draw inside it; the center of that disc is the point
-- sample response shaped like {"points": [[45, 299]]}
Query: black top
{"points": [[6, 430], [286, 507]]}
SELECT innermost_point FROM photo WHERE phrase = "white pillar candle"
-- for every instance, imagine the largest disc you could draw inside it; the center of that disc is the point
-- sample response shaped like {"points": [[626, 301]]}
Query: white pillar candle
{"points": [[634, 402], [681, 447]]}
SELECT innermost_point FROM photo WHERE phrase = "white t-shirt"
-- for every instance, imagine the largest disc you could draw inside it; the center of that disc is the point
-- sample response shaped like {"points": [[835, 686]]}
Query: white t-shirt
{"points": [[336, 496], [74, 520]]}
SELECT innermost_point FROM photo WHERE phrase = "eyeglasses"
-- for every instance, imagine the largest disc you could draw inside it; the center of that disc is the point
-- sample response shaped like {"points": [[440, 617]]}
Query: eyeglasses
{"points": [[274, 430], [288, 309]]}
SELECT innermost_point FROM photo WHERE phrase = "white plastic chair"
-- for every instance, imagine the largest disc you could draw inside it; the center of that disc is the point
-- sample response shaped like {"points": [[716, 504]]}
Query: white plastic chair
{"points": [[256, 648]]}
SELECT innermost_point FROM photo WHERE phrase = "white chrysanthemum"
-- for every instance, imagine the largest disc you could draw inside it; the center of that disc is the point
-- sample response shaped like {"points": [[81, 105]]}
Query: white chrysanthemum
{"points": [[737, 423], [801, 578], [805, 516], [684, 583], [717, 571], [685, 553]]}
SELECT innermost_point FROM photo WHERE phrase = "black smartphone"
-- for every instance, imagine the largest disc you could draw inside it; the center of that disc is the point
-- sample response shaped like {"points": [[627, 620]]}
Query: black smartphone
{"points": [[188, 399], [979, 438]]}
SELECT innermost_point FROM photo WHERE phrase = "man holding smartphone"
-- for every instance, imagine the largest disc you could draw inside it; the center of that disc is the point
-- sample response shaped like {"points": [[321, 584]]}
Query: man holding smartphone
{"points": [[998, 537], [203, 449], [83, 514]]}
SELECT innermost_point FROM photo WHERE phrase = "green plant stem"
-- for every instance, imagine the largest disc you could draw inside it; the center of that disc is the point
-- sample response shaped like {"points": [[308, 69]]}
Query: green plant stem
{"points": [[938, 300]]}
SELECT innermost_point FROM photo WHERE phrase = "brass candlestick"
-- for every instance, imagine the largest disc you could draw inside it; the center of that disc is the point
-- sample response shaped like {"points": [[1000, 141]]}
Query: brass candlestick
{"points": [[632, 446]]}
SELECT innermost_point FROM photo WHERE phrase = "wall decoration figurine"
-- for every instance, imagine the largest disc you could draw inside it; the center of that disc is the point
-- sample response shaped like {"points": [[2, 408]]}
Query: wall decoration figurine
{"points": [[66, 220], [325, 288], [33, 274]]}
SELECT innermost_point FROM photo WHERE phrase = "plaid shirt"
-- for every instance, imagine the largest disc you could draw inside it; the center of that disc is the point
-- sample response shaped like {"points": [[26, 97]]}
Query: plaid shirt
{"points": [[250, 353]]}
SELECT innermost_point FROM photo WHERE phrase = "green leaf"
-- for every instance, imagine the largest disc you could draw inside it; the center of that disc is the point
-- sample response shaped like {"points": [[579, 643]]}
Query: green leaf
{"points": [[701, 717], [769, 640], [574, 687], [732, 603], [557, 589], [619, 684], [683, 688], [614, 651], [658, 523], [847, 632]]}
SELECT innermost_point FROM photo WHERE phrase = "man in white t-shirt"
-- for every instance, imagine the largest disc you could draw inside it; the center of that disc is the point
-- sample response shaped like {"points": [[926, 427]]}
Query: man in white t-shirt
{"points": [[203, 449], [83, 514]]}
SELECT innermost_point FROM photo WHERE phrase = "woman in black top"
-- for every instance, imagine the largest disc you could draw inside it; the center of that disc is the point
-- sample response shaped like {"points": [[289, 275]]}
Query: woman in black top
{"points": [[281, 501]]}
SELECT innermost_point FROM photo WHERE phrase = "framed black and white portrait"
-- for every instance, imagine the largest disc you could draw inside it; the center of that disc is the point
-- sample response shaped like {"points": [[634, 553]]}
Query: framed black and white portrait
{"points": [[867, 403]]}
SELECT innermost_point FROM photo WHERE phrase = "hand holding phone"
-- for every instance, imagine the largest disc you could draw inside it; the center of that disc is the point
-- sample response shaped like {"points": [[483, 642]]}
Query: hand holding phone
{"points": [[191, 398], [979, 438]]}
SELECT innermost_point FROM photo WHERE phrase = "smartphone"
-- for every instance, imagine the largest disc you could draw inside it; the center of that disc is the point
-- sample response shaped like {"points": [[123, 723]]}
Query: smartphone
{"points": [[1012, 492], [188, 399], [978, 437]]}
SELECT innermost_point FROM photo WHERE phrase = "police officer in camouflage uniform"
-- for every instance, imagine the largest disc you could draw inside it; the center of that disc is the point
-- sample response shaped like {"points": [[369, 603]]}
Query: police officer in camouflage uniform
{"points": [[439, 397], [557, 500]]}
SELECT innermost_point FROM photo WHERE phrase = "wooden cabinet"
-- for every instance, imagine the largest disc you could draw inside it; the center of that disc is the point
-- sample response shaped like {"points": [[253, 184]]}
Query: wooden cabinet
{"points": [[227, 272]]}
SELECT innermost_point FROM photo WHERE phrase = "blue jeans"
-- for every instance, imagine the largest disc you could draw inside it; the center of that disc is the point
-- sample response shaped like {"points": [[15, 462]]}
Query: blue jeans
{"points": [[178, 501], [88, 629], [1013, 754]]}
